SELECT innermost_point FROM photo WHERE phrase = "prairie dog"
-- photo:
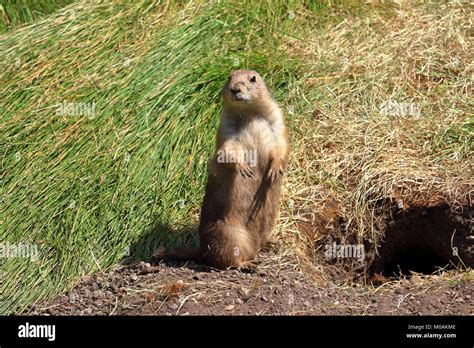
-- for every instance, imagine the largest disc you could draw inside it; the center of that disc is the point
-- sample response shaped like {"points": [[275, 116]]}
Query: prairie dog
{"points": [[243, 187]]}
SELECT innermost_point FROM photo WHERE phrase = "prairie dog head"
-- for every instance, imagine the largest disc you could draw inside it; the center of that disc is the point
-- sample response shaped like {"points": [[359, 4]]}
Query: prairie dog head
{"points": [[246, 89]]}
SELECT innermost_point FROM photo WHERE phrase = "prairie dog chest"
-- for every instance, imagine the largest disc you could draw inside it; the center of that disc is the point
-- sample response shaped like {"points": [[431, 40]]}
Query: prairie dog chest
{"points": [[259, 134]]}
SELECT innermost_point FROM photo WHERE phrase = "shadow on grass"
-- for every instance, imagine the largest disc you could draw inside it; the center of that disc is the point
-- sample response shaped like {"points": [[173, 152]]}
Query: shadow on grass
{"points": [[164, 235]]}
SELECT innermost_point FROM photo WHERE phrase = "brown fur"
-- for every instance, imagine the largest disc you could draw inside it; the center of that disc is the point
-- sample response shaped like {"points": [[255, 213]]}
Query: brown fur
{"points": [[241, 202]]}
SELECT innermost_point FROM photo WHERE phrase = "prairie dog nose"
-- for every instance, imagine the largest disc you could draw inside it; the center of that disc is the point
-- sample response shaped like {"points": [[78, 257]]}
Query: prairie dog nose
{"points": [[235, 90]]}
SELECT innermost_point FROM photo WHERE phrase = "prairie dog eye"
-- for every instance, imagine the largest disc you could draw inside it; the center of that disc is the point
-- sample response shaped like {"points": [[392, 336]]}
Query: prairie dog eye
{"points": [[253, 79]]}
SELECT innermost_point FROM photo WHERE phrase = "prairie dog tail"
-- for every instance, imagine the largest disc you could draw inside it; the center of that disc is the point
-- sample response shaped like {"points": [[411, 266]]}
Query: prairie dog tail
{"points": [[180, 254]]}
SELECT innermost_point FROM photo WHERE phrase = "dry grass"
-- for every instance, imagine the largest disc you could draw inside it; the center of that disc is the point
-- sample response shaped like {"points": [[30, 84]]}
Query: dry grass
{"points": [[351, 165]]}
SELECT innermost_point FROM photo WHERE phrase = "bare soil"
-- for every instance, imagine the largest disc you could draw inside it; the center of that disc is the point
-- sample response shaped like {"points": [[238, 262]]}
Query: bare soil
{"points": [[275, 287]]}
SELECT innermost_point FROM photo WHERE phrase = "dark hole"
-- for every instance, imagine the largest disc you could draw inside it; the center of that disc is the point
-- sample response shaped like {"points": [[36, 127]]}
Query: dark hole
{"points": [[423, 240], [419, 260]]}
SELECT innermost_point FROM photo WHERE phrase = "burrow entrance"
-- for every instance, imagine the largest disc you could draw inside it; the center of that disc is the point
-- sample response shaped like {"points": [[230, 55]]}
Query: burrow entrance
{"points": [[423, 240]]}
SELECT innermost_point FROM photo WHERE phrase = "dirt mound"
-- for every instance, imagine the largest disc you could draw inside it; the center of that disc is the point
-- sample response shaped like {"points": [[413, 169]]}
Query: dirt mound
{"points": [[276, 287]]}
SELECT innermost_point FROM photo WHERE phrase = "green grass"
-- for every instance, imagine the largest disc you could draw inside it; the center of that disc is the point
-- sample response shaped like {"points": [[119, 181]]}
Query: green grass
{"points": [[17, 12]]}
